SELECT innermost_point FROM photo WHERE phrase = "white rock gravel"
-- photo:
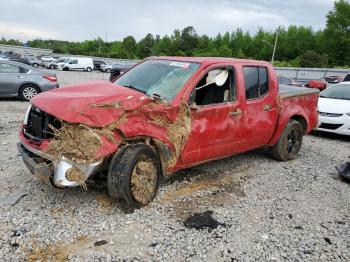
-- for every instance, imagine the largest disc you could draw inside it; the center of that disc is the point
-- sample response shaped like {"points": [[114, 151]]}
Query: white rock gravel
{"points": [[294, 211]]}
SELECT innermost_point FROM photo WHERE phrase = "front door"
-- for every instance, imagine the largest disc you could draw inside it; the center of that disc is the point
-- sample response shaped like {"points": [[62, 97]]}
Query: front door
{"points": [[216, 118]]}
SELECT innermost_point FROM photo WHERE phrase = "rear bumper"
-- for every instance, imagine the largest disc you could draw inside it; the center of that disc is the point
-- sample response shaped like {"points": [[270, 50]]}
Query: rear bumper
{"points": [[55, 173]]}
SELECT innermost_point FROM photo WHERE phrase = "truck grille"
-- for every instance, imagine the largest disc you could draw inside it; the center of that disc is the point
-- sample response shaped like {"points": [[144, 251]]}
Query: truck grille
{"points": [[38, 126]]}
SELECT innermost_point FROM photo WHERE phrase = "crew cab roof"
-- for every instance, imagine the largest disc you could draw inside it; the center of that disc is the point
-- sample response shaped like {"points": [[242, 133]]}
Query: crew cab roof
{"points": [[210, 60]]}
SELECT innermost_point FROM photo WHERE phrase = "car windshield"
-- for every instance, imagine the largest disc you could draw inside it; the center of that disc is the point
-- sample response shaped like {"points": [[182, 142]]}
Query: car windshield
{"points": [[337, 92], [160, 78]]}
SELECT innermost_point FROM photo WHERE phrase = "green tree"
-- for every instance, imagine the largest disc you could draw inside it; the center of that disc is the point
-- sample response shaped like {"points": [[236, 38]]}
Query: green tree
{"points": [[337, 33], [313, 59], [146, 47]]}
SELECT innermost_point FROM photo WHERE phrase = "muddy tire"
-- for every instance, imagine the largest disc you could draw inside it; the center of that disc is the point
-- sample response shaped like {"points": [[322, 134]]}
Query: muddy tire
{"points": [[133, 176], [289, 144]]}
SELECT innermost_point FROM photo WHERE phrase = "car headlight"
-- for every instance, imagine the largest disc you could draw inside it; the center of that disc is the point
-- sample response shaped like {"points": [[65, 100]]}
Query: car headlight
{"points": [[26, 116]]}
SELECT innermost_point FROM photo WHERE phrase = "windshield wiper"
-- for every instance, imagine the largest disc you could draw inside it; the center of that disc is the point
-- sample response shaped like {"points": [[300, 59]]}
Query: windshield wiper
{"points": [[135, 88]]}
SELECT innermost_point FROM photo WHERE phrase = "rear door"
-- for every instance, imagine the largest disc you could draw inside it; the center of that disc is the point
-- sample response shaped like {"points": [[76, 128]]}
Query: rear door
{"points": [[216, 119], [11, 78], [261, 106]]}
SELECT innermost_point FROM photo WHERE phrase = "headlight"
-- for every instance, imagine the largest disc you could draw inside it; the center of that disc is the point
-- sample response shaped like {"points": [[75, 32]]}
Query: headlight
{"points": [[26, 116]]}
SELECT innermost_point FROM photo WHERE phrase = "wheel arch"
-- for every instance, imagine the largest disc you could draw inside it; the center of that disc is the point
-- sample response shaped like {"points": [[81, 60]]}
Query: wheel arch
{"points": [[160, 148], [28, 83], [301, 119]]}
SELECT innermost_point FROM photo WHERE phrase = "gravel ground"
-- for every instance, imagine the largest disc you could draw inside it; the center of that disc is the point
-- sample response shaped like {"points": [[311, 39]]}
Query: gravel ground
{"points": [[268, 210]]}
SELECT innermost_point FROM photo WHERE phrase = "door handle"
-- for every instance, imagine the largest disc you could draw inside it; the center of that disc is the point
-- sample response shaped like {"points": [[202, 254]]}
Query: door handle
{"points": [[20, 77], [235, 113], [267, 107]]}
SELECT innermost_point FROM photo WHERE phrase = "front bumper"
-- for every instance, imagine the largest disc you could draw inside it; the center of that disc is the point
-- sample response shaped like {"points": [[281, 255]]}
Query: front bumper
{"points": [[55, 173], [338, 125]]}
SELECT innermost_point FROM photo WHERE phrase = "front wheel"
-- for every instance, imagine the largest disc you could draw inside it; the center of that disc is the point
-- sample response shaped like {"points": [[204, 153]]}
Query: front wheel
{"points": [[108, 70], [133, 176], [289, 144], [89, 69]]}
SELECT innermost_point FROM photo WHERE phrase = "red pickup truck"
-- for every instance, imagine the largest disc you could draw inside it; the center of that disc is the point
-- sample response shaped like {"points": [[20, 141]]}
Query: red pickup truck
{"points": [[163, 115]]}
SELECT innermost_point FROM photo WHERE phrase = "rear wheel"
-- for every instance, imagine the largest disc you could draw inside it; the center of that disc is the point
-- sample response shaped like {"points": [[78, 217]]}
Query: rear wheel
{"points": [[289, 144], [133, 177], [27, 92], [108, 70], [52, 67], [35, 65]]}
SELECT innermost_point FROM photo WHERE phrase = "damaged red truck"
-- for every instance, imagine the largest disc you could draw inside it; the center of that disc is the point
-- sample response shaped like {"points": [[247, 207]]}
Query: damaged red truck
{"points": [[163, 115]]}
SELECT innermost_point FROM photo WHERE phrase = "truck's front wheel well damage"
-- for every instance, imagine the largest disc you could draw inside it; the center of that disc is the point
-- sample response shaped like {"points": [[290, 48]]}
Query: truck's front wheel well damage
{"points": [[302, 122], [160, 149]]}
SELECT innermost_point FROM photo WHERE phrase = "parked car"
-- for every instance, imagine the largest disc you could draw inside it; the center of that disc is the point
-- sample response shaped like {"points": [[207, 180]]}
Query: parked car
{"points": [[34, 62], [118, 70], [46, 58], [106, 68], [334, 109], [288, 81], [322, 83], [19, 60], [54, 63], [17, 79], [77, 63], [163, 115], [318, 84], [98, 63]]}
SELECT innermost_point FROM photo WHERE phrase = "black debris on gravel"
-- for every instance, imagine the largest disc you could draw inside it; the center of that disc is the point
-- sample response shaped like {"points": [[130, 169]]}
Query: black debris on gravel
{"points": [[327, 240], [100, 243], [202, 221]]}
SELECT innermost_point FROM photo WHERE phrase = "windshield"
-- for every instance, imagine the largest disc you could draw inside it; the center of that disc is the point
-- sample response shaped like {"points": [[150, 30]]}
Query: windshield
{"points": [[161, 78], [337, 92]]}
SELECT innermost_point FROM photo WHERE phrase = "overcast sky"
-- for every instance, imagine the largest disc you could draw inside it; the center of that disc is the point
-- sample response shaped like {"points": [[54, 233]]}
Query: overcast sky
{"points": [[86, 19]]}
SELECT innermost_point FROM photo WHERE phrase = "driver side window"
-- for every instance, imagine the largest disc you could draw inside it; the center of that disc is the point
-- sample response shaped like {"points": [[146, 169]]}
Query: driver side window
{"points": [[216, 87]]}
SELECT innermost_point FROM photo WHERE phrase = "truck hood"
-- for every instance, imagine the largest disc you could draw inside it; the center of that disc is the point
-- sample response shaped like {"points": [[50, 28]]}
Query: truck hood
{"points": [[96, 104]]}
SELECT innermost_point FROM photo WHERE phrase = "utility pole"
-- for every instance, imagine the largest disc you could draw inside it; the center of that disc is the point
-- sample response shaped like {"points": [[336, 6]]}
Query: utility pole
{"points": [[274, 48]]}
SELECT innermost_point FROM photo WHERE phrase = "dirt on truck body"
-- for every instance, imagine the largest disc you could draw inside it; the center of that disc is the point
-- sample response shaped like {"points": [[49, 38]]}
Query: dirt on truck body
{"points": [[163, 115]]}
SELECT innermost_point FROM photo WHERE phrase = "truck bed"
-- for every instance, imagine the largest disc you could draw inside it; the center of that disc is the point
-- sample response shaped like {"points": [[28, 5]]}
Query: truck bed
{"points": [[286, 91]]}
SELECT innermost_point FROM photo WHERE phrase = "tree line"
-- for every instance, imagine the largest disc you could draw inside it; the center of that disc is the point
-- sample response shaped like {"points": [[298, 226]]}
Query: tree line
{"points": [[296, 46]]}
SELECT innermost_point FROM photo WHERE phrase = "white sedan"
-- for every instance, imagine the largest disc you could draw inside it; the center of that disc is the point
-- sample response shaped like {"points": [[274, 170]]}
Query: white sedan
{"points": [[334, 109]]}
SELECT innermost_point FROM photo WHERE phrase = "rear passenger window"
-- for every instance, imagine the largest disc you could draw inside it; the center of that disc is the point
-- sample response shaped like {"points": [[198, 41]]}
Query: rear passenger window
{"points": [[23, 70], [256, 81]]}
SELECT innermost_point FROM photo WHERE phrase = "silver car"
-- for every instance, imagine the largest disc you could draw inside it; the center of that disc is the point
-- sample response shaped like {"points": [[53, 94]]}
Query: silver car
{"points": [[17, 79]]}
